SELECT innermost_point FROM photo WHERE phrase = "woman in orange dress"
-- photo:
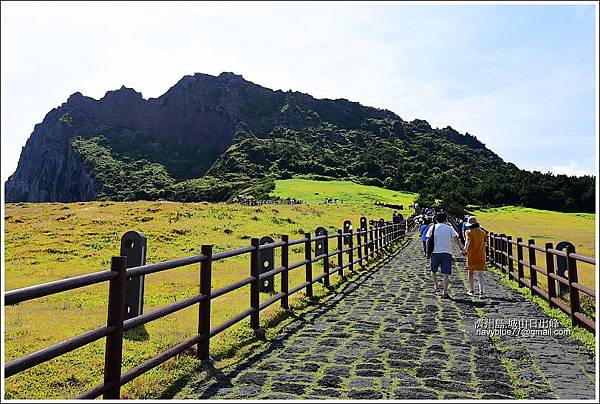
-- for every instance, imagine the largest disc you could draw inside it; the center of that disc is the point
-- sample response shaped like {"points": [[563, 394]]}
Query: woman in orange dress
{"points": [[475, 252]]}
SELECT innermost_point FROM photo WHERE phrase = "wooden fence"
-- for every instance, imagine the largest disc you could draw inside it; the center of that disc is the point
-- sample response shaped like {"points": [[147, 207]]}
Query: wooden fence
{"points": [[368, 243], [500, 253]]}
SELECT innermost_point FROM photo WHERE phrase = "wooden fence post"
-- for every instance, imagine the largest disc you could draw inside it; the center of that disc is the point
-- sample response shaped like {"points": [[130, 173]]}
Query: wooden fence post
{"points": [[377, 230], [203, 348], [360, 248], [340, 255], [134, 246], [496, 257], [532, 263], [388, 232], [493, 249], [503, 259], [307, 257], [550, 270], [500, 250], [573, 292], [509, 251], [366, 243], [487, 248], [371, 242], [326, 259], [255, 284], [497, 249], [113, 351], [520, 274], [351, 252], [285, 283], [386, 235]]}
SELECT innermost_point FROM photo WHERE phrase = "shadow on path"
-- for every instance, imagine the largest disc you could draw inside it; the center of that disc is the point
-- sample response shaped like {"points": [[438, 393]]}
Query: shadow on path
{"points": [[217, 380], [384, 335]]}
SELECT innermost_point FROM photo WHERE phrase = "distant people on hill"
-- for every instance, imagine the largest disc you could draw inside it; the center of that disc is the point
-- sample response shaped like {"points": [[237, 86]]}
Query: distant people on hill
{"points": [[423, 233], [251, 201], [441, 255], [475, 253]]}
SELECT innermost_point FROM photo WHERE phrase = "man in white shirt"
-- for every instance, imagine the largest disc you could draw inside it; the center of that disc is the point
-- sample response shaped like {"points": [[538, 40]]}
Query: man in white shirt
{"points": [[443, 235]]}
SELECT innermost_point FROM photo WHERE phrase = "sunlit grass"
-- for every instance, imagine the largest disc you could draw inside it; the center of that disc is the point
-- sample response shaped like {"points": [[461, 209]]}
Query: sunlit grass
{"points": [[545, 226], [346, 192], [51, 241]]}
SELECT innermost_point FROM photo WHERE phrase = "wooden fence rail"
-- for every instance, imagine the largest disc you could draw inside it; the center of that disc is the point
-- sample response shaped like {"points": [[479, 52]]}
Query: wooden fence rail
{"points": [[368, 242], [500, 254]]}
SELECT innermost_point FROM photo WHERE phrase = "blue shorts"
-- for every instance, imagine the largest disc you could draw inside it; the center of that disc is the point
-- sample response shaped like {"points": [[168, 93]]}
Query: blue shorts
{"points": [[441, 259]]}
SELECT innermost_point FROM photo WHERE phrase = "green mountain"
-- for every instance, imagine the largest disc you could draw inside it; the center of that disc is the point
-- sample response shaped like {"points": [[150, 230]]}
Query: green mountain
{"points": [[212, 138]]}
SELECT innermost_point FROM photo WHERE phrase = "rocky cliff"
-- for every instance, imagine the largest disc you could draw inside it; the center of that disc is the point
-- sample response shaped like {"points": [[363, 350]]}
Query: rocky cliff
{"points": [[48, 169], [185, 130], [210, 138]]}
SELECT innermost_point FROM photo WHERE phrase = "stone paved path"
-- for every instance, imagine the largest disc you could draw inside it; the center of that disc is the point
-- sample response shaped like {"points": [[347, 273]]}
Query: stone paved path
{"points": [[387, 336]]}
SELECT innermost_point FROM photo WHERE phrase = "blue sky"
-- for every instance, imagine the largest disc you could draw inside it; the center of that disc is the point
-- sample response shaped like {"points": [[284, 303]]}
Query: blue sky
{"points": [[519, 77]]}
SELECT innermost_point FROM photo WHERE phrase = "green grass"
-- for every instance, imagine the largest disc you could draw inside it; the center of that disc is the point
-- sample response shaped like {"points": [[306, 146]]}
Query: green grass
{"points": [[542, 225], [515, 382], [546, 226], [315, 192], [51, 241], [587, 338]]}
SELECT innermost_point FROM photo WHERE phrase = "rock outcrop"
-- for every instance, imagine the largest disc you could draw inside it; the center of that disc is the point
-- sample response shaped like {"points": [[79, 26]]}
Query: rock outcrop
{"points": [[190, 125], [210, 138], [48, 169]]}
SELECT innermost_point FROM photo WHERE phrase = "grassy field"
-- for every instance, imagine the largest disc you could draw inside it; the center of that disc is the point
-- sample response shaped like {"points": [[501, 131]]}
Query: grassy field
{"points": [[311, 191], [546, 226], [50, 241]]}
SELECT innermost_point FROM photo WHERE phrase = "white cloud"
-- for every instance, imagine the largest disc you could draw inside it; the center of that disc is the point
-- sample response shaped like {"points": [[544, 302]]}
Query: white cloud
{"points": [[573, 168], [427, 62]]}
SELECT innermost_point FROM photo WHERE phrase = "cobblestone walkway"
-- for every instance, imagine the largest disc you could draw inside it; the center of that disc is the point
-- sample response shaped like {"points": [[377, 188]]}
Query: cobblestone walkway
{"points": [[388, 336]]}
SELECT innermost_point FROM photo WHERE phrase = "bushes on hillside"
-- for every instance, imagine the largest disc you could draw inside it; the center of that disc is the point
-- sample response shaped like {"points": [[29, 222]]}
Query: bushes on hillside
{"points": [[438, 163]]}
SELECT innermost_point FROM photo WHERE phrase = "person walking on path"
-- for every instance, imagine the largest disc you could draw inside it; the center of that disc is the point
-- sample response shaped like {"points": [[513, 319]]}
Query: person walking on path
{"points": [[464, 226], [441, 256], [475, 253], [423, 233]]}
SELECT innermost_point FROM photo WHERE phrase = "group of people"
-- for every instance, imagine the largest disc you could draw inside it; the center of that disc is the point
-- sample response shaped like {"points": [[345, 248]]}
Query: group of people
{"points": [[437, 237]]}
